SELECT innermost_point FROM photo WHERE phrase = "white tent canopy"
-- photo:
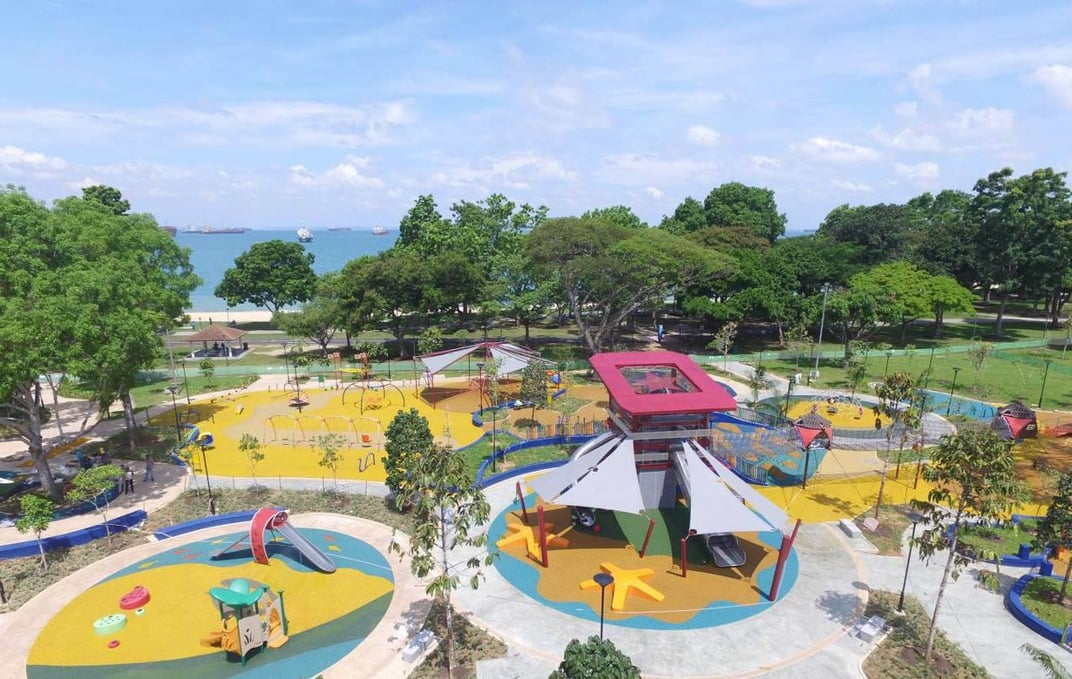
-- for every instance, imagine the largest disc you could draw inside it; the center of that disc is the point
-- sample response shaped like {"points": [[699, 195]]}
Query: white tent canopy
{"points": [[510, 357], [604, 477]]}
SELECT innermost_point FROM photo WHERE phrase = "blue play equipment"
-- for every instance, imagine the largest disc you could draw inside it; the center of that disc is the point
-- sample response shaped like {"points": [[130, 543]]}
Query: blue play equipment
{"points": [[762, 454]]}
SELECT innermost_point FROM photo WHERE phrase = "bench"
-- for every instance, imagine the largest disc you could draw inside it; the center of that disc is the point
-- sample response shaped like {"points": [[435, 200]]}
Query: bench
{"points": [[871, 628], [850, 528]]}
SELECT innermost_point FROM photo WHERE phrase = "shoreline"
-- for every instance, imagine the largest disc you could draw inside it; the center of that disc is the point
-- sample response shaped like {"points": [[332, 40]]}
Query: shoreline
{"points": [[226, 317]]}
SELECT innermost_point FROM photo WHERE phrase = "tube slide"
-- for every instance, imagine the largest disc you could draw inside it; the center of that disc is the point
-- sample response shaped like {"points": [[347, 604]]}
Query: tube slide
{"points": [[592, 444], [310, 551]]}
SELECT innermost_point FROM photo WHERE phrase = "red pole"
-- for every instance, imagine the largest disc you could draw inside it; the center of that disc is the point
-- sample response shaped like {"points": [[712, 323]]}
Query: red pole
{"points": [[543, 535], [651, 527], [521, 499], [684, 553], [783, 556]]}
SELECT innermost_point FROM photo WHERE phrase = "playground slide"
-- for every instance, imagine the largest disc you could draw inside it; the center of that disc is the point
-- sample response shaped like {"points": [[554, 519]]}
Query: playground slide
{"points": [[310, 551], [594, 443]]}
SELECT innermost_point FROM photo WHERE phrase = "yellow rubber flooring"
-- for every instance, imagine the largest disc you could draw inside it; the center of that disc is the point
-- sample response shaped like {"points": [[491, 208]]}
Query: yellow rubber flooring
{"points": [[288, 437]]}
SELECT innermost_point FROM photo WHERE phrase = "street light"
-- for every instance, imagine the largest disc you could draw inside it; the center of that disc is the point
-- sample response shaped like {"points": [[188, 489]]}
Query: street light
{"points": [[915, 519], [1045, 374], [204, 442], [930, 364], [822, 322], [603, 580], [173, 389], [886, 370], [956, 371], [185, 382]]}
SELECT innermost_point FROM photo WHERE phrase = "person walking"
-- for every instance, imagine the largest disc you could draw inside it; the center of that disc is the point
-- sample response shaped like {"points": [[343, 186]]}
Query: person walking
{"points": [[148, 469]]}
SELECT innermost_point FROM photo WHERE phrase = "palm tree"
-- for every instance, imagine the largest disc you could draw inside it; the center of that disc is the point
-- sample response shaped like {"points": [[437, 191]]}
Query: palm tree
{"points": [[1053, 668]]}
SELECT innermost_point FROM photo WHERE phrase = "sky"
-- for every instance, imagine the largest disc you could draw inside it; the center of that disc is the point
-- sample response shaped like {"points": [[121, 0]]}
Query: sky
{"points": [[274, 114]]}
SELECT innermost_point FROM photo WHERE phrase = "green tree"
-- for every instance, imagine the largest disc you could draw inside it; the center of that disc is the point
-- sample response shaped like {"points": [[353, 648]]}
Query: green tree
{"points": [[448, 512], [881, 232], [595, 659], [944, 244], [608, 272], [251, 447], [329, 446], [977, 354], [421, 219], [534, 385], [734, 204], [906, 287], [973, 474], [36, 516], [318, 319], [90, 485], [1055, 529], [272, 274], [109, 197], [723, 341], [1050, 665], [894, 394], [208, 370], [946, 295], [409, 438], [688, 217], [617, 214], [430, 341]]}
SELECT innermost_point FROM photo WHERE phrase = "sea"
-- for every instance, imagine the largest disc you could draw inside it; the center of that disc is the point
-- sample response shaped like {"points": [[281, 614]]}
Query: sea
{"points": [[213, 253]]}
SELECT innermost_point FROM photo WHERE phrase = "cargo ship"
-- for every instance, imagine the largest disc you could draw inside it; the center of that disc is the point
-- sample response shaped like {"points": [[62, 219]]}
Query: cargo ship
{"points": [[379, 230], [305, 235]]}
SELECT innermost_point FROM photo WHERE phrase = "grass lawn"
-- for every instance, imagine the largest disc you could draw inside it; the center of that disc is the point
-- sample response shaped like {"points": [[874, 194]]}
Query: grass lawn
{"points": [[1042, 597], [892, 523], [1000, 539], [900, 655]]}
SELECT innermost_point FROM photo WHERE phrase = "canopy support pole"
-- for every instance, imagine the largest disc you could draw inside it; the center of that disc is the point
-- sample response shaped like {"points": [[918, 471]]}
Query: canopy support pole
{"points": [[783, 556], [651, 527], [521, 499], [543, 535]]}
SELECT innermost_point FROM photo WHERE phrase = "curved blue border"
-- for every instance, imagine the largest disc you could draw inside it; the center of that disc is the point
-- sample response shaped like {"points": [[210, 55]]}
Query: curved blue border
{"points": [[525, 577], [19, 550], [1016, 606]]}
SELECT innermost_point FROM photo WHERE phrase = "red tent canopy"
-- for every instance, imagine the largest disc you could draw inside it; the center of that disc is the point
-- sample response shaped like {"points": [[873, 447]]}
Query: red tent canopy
{"points": [[811, 426]]}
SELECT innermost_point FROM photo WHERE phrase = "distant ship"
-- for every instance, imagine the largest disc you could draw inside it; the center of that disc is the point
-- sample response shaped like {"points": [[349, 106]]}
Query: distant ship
{"points": [[171, 229], [305, 235], [338, 228], [378, 230], [229, 229]]}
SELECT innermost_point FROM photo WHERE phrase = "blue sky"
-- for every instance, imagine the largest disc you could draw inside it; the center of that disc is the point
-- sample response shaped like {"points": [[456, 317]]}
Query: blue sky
{"points": [[274, 114]]}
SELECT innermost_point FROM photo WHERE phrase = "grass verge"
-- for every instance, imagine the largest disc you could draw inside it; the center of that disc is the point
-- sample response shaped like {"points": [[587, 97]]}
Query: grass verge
{"points": [[1042, 596], [900, 655], [892, 522], [471, 644]]}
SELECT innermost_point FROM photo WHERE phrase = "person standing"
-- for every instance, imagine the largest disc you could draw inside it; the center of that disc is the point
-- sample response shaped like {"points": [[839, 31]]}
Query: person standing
{"points": [[128, 480], [148, 469]]}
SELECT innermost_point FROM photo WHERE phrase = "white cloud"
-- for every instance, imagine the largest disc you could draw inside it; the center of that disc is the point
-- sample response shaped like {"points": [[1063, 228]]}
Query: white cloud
{"points": [[908, 139], [518, 171], [654, 192], [348, 173], [20, 161], [264, 123], [702, 135], [920, 172], [835, 151], [852, 186], [1057, 81], [761, 162], [631, 167], [981, 121]]}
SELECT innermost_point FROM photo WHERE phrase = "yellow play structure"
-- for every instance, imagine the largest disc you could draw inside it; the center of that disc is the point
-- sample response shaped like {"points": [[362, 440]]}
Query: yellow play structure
{"points": [[253, 618]]}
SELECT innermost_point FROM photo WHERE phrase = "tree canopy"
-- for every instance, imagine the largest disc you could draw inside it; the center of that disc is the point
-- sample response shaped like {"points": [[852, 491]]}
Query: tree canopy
{"points": [[272, 274]]}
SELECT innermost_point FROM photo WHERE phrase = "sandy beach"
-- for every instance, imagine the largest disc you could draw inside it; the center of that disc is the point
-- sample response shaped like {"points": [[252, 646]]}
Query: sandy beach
{"points": [[225, 317]]}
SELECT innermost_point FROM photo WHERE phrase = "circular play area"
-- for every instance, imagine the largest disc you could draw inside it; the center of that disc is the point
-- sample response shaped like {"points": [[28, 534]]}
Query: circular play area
{"points": [[650, 590], [262, 597]]}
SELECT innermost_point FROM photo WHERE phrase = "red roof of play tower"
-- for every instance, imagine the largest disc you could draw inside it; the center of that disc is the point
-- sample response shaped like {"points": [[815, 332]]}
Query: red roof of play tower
{"points": [[659, 383]]}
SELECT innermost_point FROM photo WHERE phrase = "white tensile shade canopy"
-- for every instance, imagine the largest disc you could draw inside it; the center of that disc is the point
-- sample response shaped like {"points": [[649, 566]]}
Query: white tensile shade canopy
{"points": [[717, 500], [605, 478], [510, 357]]}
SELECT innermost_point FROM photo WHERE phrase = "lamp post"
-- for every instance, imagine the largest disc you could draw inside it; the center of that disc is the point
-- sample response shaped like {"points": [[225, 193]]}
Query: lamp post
{"points": [[886, 370], [915, 519], [930, 364], [956, 371], [603, 580], [185, 382], [204, 443], [788, 394], [173, 389], [286, 365], [822, 322], [1045, 374]]}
